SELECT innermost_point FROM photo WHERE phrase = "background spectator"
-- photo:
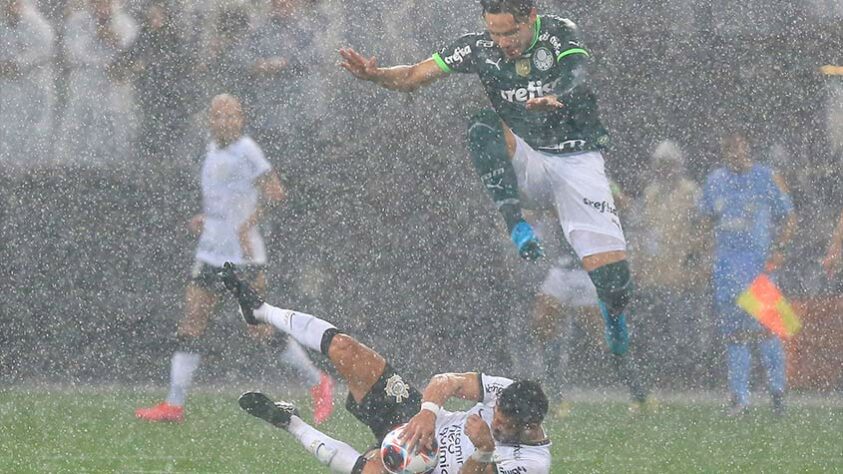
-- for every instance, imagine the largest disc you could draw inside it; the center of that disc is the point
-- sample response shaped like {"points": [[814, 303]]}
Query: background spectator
{"points": [[27, 91], [282, 65], [668, 250], [163, 66], [226, 61], [99, 119]]}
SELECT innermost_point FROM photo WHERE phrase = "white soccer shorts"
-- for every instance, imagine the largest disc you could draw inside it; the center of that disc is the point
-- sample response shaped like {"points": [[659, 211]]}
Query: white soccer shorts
{"points": [[576, 186]]}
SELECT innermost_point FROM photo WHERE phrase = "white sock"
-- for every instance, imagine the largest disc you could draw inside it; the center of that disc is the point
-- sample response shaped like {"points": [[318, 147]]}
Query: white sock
{"points": [[306, 329], [182, 367], [338, 456], [296, 356]]}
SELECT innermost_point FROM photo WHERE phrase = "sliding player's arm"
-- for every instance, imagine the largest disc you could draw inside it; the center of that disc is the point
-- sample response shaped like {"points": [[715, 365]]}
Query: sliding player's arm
{"points": [[480, 462], [441, 388], [396, 78]]}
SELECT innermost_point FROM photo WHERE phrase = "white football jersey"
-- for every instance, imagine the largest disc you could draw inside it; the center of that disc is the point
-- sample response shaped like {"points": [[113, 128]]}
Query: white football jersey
{"points": [[454, 447], [229, 197]]}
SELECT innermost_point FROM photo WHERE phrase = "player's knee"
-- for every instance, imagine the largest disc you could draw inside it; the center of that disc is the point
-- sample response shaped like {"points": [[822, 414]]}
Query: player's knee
{"points": [[738, 338], [484, 129], [262, 333], [188, 342], [278, 341], [545, 313], [486, 117], [614, 285], [340, 346]]}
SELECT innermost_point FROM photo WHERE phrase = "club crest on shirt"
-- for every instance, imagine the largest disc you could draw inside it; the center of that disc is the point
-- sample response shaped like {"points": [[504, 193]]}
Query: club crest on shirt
{"points": [[543, 59], [522, 67], [396, 387]]}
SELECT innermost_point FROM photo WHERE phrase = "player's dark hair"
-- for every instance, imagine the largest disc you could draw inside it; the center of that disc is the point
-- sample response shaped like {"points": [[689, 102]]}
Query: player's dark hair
{"points": [[520, 9], [524, 402]]}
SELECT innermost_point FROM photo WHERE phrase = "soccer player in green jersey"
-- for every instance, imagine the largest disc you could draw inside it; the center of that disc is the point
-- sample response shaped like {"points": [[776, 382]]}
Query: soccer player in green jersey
{"points": [[541, 143]]}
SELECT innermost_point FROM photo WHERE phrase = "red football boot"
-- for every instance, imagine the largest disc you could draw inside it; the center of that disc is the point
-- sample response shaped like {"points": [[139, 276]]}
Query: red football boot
{"points": [[161, 412], [323, 398]]}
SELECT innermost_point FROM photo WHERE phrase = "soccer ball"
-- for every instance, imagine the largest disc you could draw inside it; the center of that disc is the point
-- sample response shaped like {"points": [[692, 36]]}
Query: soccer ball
{"points": [[397, 460]]}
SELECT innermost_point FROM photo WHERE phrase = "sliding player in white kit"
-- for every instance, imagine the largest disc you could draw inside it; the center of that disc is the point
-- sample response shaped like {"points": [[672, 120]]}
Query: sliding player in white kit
{"points": [[503, 433]]}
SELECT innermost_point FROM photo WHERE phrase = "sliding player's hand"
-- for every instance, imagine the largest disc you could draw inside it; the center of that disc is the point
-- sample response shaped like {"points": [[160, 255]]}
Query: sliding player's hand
{"points": [[479, 433], [420, 430], [358, 66]]}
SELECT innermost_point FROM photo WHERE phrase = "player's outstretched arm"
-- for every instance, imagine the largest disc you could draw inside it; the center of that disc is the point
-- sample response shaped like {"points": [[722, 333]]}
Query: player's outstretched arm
{"points": [[442, 387], [396, 78]]}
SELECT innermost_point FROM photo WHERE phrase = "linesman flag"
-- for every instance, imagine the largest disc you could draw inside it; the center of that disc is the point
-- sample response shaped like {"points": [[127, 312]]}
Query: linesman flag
{"points": [[764, 302]]}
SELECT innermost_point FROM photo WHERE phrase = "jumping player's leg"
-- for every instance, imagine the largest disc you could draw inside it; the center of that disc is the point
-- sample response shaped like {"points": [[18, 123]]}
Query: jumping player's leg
{"points": [[491, 146], [589, 217], [609, 271]]}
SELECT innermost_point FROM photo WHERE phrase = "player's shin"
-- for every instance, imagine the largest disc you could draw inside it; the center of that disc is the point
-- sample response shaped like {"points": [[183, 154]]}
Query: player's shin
{"points": [[614, 288], [183, 365], [338, 456], [739, 359], [308, 330], [487, 147], [773, 359]]}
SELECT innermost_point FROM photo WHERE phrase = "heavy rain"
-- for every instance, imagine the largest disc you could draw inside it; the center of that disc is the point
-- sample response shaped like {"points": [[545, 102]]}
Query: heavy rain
{"points": [[681, 311]]}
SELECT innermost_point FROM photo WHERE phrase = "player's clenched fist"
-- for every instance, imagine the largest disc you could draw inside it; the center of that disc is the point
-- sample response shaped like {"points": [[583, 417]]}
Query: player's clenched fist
{"points": [[479, 433]]}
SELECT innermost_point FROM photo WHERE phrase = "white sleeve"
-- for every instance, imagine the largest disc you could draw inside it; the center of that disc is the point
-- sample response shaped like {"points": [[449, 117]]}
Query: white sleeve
{"points": [[492, 386], [258, 164], [522, 466]]}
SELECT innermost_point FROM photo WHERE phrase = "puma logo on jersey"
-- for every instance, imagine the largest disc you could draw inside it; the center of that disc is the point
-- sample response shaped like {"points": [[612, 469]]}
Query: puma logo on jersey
{"points": [[534, 89], [497, 63]]}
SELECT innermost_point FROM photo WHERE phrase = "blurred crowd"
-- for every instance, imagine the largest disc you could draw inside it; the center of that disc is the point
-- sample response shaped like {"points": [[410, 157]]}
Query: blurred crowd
{"points": [[103, 85]]}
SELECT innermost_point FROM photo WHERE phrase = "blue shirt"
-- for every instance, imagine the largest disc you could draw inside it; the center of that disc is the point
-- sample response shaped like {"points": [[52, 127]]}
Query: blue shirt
{"points": [[746, 208]]}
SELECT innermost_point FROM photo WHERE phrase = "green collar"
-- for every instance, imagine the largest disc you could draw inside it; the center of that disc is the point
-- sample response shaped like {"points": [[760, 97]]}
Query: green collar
{"points": [[538, 27]]}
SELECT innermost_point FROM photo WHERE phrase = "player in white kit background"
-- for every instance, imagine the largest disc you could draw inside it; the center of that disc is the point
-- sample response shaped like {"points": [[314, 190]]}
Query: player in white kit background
{"points": [[238, 186], [502, 433]]}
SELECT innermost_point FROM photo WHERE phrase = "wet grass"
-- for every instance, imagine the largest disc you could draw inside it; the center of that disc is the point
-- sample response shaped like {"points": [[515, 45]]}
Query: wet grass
{"points": [[95, 431]]}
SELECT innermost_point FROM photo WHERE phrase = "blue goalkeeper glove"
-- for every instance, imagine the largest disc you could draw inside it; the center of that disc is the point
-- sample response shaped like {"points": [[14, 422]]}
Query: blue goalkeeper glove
{"points": [[526, 241]]}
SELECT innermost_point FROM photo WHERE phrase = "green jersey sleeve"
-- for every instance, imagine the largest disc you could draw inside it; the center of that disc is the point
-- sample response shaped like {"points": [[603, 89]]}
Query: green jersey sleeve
{"points": [[459, 56], [571, 54]]}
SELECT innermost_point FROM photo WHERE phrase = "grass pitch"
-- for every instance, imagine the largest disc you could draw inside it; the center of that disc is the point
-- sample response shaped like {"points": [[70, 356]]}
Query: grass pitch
{"points": [[95, 431]]}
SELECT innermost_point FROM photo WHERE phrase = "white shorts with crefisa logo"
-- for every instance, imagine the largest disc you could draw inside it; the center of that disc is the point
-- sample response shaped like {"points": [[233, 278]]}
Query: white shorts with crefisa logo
{"points": [[576, 186]]}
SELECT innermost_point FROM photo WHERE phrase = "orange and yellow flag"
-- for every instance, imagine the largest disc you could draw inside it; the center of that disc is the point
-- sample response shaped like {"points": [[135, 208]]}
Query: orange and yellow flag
{"points": [[763, 300]]}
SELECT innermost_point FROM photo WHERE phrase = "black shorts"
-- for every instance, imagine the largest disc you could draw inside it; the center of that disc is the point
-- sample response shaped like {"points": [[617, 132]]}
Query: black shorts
{"points": [[207, 276], [390, 402]]}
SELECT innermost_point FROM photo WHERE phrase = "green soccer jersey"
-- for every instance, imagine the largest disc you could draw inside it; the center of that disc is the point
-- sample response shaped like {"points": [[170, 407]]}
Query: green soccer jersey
{"points": [[554, 64]]}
